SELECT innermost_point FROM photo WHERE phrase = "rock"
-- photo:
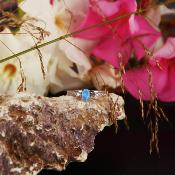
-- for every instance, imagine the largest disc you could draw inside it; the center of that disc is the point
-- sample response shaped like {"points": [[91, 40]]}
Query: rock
{"points": [[37, 132]]}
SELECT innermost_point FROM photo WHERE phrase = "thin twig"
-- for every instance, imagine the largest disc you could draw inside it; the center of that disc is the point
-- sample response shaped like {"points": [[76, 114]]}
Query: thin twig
{"points": [[63, 37]]}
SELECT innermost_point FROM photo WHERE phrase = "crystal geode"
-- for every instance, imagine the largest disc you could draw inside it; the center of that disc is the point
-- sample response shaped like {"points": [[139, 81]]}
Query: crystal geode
{"points": [[37, 132]]}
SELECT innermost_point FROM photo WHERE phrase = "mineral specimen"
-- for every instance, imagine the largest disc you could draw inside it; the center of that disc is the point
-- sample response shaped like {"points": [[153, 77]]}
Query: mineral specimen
{"points": [[37, 132]]}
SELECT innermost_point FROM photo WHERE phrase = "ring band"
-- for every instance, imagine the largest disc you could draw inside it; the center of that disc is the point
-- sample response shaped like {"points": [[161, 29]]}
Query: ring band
{"points": [[93, 93]]}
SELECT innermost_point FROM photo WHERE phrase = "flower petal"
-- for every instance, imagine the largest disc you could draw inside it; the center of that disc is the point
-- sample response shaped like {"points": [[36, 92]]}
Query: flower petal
{"points": [[104, 76], [95, 32], [157, 12], [166, 52], [143, 35], [108, 8], [61, 75], [113, 51], [117, 7], [168, 93], [77, 54], [138, 79]]}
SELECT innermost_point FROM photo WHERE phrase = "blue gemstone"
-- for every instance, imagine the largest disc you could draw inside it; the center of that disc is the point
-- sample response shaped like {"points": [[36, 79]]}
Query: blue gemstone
{"points": [[85, 95]]}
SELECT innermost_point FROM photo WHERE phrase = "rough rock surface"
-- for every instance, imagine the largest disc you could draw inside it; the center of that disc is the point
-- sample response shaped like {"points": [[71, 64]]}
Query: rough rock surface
{"points": [[37, 132]]}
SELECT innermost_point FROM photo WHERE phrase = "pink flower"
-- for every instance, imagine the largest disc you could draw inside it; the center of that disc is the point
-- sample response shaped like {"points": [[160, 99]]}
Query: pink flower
{"points": [[166, 58], [145, 81], [161, 69], [118, 39], [51, 2]]}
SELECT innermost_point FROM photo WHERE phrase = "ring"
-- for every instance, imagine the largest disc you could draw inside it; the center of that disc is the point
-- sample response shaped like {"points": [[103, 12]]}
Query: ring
{"points": [[86, 94]]}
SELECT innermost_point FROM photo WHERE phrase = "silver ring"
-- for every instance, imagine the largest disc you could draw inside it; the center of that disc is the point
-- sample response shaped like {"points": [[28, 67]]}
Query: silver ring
{"points": [[93, 93]]}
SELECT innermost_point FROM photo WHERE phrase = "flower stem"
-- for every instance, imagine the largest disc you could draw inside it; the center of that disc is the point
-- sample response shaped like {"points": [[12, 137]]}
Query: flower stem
{"points": [[64, 37]]}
